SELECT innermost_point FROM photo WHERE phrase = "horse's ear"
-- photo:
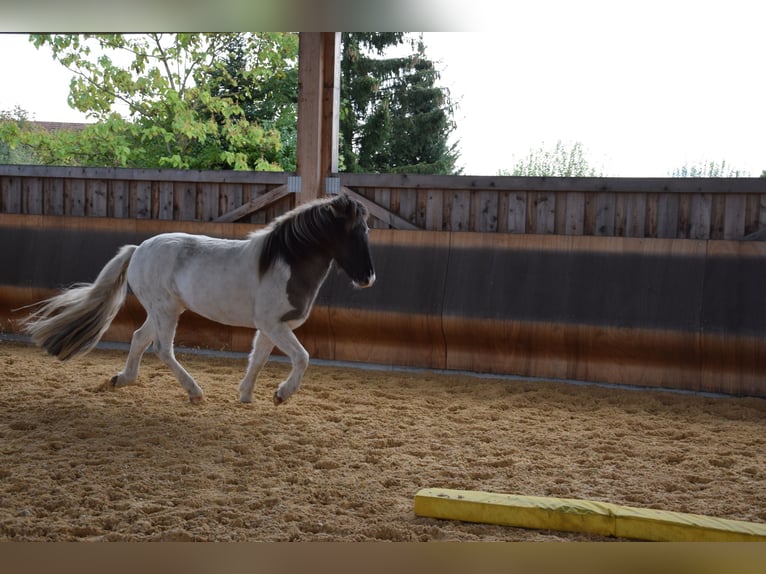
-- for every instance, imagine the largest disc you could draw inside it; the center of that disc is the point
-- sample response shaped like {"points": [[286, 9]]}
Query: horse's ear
{"points": [[342, 207], [348, 209]]}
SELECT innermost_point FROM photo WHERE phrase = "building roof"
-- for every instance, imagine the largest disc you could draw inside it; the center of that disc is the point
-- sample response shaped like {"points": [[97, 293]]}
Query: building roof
{"points": [[56, 126]]}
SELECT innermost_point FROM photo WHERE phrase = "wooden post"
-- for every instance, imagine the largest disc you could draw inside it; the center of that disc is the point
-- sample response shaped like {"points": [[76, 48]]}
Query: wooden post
{"points": [[318, 110]]}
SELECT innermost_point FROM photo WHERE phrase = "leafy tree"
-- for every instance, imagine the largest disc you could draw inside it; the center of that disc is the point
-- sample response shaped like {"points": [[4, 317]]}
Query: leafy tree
{"points": [[393, 117], [708, 169], [163, 81], [260, 75], [12, 149], [561, 161], [218, 101]]}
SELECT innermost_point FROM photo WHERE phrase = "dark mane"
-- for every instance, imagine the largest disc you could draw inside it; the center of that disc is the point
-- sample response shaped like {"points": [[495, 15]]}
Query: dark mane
{"points": [[311, 228]]}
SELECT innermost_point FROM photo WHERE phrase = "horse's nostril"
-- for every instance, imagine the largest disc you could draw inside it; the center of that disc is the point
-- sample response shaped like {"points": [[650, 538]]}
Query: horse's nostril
{"points": [[365, 283]]}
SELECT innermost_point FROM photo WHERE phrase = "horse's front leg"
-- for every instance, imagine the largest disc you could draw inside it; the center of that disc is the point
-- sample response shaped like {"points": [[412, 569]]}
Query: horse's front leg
{"points": [[262, 347], [284, 338]]}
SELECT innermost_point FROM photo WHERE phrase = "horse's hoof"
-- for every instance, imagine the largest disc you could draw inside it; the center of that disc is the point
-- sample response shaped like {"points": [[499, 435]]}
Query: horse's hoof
{"points": [[109, 385], [197, 399], [277, 399]]}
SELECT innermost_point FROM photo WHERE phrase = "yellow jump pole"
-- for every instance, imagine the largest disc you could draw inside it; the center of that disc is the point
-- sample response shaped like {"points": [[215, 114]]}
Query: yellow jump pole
{"points": [[573, 515]]}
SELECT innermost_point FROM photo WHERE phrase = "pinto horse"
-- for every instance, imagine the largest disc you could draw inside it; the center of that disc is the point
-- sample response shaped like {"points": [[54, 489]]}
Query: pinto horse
{"points": [[268, 281]]}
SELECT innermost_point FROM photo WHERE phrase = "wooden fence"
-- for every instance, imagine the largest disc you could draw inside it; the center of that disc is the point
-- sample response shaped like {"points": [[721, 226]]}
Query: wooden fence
{"points": [[675, 208], [180, 195]]}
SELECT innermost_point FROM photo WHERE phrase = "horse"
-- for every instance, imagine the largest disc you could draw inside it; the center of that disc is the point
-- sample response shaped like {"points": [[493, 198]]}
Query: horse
{"points": [[268, 281]]}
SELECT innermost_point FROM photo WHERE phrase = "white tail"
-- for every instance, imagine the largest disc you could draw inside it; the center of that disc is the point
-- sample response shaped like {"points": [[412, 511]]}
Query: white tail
{"points": [[73, 322]]}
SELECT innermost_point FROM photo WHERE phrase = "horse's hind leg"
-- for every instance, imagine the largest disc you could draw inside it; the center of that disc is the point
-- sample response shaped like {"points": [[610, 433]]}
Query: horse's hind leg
{"points": [[165, 330], [142, 338], [262, 347]]}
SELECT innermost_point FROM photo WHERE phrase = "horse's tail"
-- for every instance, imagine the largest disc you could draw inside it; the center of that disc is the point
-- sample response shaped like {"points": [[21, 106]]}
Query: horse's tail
{"points": [[73, 322]]}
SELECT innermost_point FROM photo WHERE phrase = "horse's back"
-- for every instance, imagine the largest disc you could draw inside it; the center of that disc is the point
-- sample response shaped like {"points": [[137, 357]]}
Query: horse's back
{"points": [[213, 277]]}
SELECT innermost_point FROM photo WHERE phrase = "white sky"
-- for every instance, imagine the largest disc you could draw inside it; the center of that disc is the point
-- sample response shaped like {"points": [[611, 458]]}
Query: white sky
{"points": [[645, 89]]}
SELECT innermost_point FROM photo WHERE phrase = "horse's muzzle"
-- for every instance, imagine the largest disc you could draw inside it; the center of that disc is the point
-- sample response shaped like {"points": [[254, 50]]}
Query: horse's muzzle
{"points": [[366, 283]]}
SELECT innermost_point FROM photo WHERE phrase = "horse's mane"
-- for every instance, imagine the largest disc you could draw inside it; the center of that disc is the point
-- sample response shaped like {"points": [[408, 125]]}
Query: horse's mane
{"points": [[310, 227]]}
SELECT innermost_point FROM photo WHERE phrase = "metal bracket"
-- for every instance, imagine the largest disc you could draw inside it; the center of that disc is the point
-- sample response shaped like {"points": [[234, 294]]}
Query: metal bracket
{"points": [[332, 185], [293, 184]]}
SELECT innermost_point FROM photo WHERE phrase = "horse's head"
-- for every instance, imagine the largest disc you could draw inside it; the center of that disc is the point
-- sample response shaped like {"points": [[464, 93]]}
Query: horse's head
{"points": [[352, 252]]}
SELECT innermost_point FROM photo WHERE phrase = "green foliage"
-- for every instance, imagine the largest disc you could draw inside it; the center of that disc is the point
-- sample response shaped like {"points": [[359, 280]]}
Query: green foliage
{"points": [[168, 84], [564, 160], [229, 101], [13, 149], [708, 169], [393, 117], [260, 75]]}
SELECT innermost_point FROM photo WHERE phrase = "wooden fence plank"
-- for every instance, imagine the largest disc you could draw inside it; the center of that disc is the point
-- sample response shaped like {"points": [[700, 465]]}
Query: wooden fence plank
{"points": [[249, 193], [408, 205], [74, 197], [668, 216], [53, 196], [185, 201], [575, 213], [141, 199], [96, 197], [229, 197], [620, 215], [460, 210], [268, 178], [421, 198], [734, 216], [717, 213], [651, 215], [635, 215], [752, 206], [10, 195], [502, 212], [383, 198], [208, 201], [699, 215], [434, 216], [118, 199], [516, 216], [684, 217], [32, 196], [484, 211], [545, 212], [561, 213], [163, 190], [604, 216]]}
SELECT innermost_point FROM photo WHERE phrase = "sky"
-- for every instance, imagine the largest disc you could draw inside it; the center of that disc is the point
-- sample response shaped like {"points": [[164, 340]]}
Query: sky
{"points": [[645, 90]]}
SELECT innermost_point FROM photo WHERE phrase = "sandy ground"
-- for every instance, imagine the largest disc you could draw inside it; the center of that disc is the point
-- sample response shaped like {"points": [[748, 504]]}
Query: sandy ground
{"points": [[343, 458]]}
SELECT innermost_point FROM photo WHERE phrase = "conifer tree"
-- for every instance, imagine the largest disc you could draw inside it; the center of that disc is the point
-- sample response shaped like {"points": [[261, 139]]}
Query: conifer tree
{"points": [[394, 119]]}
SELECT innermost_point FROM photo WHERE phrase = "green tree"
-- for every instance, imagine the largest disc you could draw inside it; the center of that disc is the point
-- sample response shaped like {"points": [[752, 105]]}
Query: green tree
{"points": [[172, 117], [393, 116], [563, 160], [260, 74], [708, 169], [13, 123]]}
